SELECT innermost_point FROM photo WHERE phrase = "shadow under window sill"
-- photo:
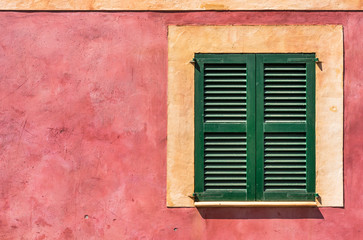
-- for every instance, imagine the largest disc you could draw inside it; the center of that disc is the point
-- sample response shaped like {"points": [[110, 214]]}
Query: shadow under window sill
{"points": [[260, 213]]}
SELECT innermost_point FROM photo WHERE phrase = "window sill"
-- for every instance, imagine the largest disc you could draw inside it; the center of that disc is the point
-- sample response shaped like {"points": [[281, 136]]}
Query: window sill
{"points": [[255, 204]]}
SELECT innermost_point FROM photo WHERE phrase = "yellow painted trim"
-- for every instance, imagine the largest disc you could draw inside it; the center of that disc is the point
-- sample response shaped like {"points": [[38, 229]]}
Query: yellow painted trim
{"points": [[255, 204], [324, 40], [181, 5]]}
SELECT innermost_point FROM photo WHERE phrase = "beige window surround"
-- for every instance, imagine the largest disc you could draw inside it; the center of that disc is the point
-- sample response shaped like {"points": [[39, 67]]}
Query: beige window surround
{"points": [[324, 40]]}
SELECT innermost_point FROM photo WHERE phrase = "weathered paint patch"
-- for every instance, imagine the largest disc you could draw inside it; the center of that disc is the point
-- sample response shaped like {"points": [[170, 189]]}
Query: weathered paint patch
{"points": [[209, 6], [181, 5], [184, 41]]}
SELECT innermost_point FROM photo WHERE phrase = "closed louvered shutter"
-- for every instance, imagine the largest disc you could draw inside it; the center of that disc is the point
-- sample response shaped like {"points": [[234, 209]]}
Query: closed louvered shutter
{"points": [[254, 127], [222, 119], [285, 127]]}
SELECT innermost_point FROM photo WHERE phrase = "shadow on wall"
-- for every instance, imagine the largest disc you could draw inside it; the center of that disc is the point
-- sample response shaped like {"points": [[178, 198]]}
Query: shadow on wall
{"points": [[260, 213]]}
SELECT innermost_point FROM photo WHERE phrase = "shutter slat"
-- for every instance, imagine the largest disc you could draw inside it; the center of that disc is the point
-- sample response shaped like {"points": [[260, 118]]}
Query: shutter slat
{"points": [[224, 104], [286, 166], [284, 98], [226, 74], [284, 104], [224, 172], [225, 81], [279, 172], [223, 68], [227, 184], [288, 86], [224, 155], [284, 149], [225, 161], [285, 178], [225, 143], [225, 98], [233, 149], [217, 116], [291, 183], [284, 109], [225, 178], [284, 161], [224, 86], [282, 116], [289, 73], [283, 136], [217, 136], [225, 110], [284, 154], [224, 92], [284, 92], [230, 166], [285, 80], [284, 68], [283, 143]]}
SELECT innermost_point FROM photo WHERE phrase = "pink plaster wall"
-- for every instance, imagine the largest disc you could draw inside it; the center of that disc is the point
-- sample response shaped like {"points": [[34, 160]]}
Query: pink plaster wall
{"points": [[83, 131]]}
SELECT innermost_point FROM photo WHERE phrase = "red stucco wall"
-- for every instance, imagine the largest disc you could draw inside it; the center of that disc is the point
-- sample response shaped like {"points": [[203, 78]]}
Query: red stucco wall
{"points": [[83, 131]]}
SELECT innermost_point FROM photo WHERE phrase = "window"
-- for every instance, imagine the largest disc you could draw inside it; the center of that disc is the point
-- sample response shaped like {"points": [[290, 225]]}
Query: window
{"points": [[254, 127], [184, 41]]}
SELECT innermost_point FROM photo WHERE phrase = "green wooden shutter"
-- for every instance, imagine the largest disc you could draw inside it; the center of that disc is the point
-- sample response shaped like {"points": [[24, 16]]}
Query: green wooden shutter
{"points": [[285, 127], [255, 127], [224, 127]]}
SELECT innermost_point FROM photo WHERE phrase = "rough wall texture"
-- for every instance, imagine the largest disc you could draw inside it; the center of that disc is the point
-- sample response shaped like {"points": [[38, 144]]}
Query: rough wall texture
{"points": [[83, 131], [181, 5]]}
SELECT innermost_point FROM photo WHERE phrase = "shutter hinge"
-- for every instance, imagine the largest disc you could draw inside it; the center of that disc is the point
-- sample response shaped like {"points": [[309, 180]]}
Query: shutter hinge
{"points": [[317, 60], [192, 61], [317, 197], [193, 196]]}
